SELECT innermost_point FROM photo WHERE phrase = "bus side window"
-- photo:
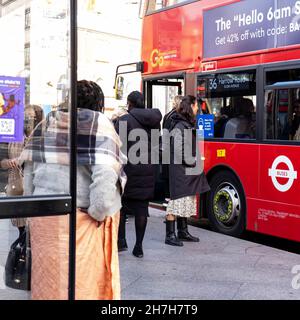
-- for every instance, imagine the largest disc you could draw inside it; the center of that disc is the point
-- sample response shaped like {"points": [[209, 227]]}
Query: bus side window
{"points": [[282, 105], [231, 98], [241, 125], [282, 110]]}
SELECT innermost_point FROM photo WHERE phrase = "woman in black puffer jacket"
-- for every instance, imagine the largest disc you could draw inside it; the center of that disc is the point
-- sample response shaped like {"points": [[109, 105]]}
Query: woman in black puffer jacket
{"points": [[140, 177]]}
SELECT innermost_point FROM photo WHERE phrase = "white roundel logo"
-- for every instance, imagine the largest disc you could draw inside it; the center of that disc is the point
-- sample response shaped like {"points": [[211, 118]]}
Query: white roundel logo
{"points": [[289, 174]]}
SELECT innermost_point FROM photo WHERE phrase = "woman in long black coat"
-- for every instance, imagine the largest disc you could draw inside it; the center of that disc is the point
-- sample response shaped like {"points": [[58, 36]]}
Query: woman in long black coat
{"points": [[140, 177], [184, 186]]}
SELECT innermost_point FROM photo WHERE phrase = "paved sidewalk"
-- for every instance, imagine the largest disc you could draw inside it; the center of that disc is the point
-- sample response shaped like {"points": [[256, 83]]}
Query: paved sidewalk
{"points": [[219, 267]]}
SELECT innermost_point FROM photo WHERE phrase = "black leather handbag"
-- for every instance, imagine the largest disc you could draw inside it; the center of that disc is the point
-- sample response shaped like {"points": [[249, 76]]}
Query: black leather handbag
{"points": [[18, 263]]}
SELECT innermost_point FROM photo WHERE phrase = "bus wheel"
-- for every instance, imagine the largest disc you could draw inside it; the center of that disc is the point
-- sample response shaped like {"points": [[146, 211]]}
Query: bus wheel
{"points": [[226, 204]]}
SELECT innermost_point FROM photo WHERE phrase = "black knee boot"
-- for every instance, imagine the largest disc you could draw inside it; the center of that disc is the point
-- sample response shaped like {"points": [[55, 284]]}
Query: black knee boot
{"points": [[171, 237], [183, 233]]}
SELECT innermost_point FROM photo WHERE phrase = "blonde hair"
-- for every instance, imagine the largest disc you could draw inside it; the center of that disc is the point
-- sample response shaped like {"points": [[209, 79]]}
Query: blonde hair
{"points": [[176, 101]]}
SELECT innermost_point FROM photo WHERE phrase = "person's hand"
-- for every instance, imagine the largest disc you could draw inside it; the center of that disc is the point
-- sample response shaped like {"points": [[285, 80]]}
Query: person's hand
{"points": [[84, 210], [9, 163], [13, 163]]}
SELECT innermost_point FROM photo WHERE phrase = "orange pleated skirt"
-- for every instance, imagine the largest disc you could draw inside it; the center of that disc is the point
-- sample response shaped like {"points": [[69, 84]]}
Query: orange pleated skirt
{"points": [[97, 264]]}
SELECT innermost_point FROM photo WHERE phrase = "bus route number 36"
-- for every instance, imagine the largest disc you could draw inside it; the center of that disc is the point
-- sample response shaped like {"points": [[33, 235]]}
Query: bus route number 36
{"points": [[213, 84]]}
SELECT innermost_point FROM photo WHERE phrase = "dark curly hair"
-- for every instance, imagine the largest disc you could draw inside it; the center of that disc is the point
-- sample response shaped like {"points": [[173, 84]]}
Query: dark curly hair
{"points": [[135, 100], [90, 96], [185, 108]]}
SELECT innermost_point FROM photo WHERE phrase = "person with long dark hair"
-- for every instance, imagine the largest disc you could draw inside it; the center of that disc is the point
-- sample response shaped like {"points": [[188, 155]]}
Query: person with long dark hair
{"points": [[184, 187], [140, 177]]}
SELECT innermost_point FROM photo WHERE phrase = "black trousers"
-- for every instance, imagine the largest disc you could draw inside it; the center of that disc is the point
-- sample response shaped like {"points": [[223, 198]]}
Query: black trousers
{"points": [[138, 208]]}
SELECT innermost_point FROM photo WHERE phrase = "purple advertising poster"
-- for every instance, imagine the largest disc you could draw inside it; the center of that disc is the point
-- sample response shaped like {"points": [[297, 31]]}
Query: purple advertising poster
{"points": [[12, 94], [251, 25]]}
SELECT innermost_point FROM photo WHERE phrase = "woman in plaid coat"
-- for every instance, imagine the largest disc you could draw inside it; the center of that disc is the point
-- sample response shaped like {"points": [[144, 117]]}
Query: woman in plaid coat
{"points": [[99, 185]]}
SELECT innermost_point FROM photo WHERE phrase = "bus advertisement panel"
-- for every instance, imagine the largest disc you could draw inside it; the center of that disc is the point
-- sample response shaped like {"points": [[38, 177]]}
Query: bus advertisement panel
{"points": [[250, 26]]}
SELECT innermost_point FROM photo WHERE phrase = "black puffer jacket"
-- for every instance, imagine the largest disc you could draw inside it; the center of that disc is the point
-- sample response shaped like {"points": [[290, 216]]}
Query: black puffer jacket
{"points": [[181, 184], [140, 177], [168, 119]]}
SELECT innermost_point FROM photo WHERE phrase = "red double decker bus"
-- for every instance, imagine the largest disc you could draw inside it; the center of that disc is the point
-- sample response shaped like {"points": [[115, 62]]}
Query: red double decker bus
{"points": [[242, 60]]}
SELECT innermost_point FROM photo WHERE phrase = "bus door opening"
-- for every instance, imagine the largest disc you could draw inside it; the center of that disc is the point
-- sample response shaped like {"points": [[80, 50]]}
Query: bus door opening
{"points": [[160, 94]]}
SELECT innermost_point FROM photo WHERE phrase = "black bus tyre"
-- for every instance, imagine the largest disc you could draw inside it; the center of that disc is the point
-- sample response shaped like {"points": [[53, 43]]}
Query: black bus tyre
{"points": [[226, 204]]}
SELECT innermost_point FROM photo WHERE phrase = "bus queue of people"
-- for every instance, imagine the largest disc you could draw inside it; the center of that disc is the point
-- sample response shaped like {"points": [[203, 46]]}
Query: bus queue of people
{"points": [[104, 198], [111, 185], [106, 192]]}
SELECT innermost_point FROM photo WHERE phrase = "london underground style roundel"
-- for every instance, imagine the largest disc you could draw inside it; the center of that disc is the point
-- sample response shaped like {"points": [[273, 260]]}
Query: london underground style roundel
{"points": [[289, 175]]}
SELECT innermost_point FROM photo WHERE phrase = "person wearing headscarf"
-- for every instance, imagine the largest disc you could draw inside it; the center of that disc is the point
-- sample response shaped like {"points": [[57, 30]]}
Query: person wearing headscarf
{"points": [[100, 181]]}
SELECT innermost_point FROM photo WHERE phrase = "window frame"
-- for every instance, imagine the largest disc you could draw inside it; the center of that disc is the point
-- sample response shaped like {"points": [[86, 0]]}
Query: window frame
{"points": [[147, 82], [269, 68], [168, 8], [27, 18], [233, 70]]}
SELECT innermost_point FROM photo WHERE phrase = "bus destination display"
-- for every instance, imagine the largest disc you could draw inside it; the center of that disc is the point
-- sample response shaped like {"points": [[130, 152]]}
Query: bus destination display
{"points": [[220, 83]]}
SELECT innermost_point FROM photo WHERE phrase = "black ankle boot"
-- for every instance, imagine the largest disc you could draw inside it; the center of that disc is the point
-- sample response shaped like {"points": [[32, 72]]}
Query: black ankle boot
{"points": [[122, 245], [138, 251], [171, 237], [183, 233]]}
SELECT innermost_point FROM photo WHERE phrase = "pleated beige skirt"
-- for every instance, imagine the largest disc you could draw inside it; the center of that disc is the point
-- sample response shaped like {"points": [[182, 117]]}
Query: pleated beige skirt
{"points": [[97, 264]]}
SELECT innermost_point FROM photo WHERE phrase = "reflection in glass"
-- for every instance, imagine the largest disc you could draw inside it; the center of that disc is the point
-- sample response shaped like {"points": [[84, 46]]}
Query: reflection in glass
{"points": [[282, 114], [8, 237], [34, 83], [34, 78]]}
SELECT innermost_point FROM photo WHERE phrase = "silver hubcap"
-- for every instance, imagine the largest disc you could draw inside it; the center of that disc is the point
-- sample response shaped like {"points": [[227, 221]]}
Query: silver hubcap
{"points": [[226, 204]]}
